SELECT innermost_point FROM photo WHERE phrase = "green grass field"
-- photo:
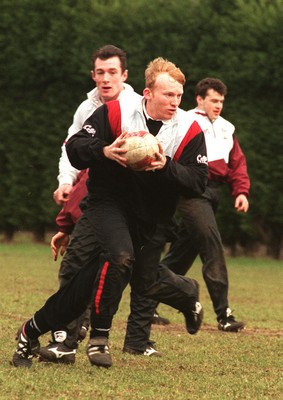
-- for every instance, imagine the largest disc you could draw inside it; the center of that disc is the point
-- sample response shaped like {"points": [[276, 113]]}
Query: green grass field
{"points": [[210, 365]]}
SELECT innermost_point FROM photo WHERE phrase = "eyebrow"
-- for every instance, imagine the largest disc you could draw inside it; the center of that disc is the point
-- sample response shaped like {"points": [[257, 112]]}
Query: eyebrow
{"points": [[173, 93], [103, 69]]}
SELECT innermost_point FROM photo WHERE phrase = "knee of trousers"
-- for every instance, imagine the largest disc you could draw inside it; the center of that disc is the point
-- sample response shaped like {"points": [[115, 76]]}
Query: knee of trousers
{"points": [[207, 235], [123, 262], [64, 279]]}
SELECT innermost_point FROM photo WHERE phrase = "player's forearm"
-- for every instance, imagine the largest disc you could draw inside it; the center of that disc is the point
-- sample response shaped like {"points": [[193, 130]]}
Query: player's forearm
{"points": [[67, 173]]}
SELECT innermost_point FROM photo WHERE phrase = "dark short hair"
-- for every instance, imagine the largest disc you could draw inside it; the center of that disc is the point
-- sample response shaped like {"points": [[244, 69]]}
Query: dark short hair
{"points": [[210, 83], [109, 51]]}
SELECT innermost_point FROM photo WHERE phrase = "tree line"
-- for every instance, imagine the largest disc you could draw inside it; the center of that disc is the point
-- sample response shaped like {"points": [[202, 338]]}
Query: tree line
{"points": [[46, 49]]}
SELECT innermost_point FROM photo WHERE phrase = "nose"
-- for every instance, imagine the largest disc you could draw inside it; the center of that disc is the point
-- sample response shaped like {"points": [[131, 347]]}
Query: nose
{"points": [[106, 77], [175, 100]]}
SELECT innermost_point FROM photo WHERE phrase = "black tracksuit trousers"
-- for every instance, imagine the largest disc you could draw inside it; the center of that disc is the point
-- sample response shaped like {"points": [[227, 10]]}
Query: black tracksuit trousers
{"points": [[197, 234], [119, 238], [80, 252]]}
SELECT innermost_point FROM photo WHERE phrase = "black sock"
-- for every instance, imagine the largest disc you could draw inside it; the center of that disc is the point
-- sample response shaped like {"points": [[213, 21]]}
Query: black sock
{"points": [[99, 332], [100, 326], [31, 329]]}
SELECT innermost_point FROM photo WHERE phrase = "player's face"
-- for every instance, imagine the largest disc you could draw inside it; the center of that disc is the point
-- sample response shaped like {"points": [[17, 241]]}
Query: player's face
{"points": [[109, 78], [164, 98], [212, 104]]}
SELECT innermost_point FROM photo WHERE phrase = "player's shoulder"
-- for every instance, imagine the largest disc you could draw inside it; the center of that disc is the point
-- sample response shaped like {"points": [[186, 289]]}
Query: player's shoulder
{"points": [[182, 116], [187, 117], [130, 102], [90, 103], [225, 124], [128, 95], [187, 122], [86, 104], [194, 113]]}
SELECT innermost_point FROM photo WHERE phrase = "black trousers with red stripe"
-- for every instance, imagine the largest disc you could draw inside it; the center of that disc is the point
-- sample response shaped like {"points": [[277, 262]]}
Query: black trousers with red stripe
{"points": [[80, 252], [118, 248]]}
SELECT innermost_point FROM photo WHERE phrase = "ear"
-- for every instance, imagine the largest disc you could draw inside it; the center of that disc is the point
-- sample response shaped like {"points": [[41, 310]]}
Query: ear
{"points": [[92, 75], [125, 75], [147, 93], [199, 100]]}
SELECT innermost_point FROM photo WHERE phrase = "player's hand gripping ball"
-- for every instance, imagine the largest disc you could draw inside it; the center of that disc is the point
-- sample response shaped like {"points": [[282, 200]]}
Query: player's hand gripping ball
{"points": [[141, 149]]}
